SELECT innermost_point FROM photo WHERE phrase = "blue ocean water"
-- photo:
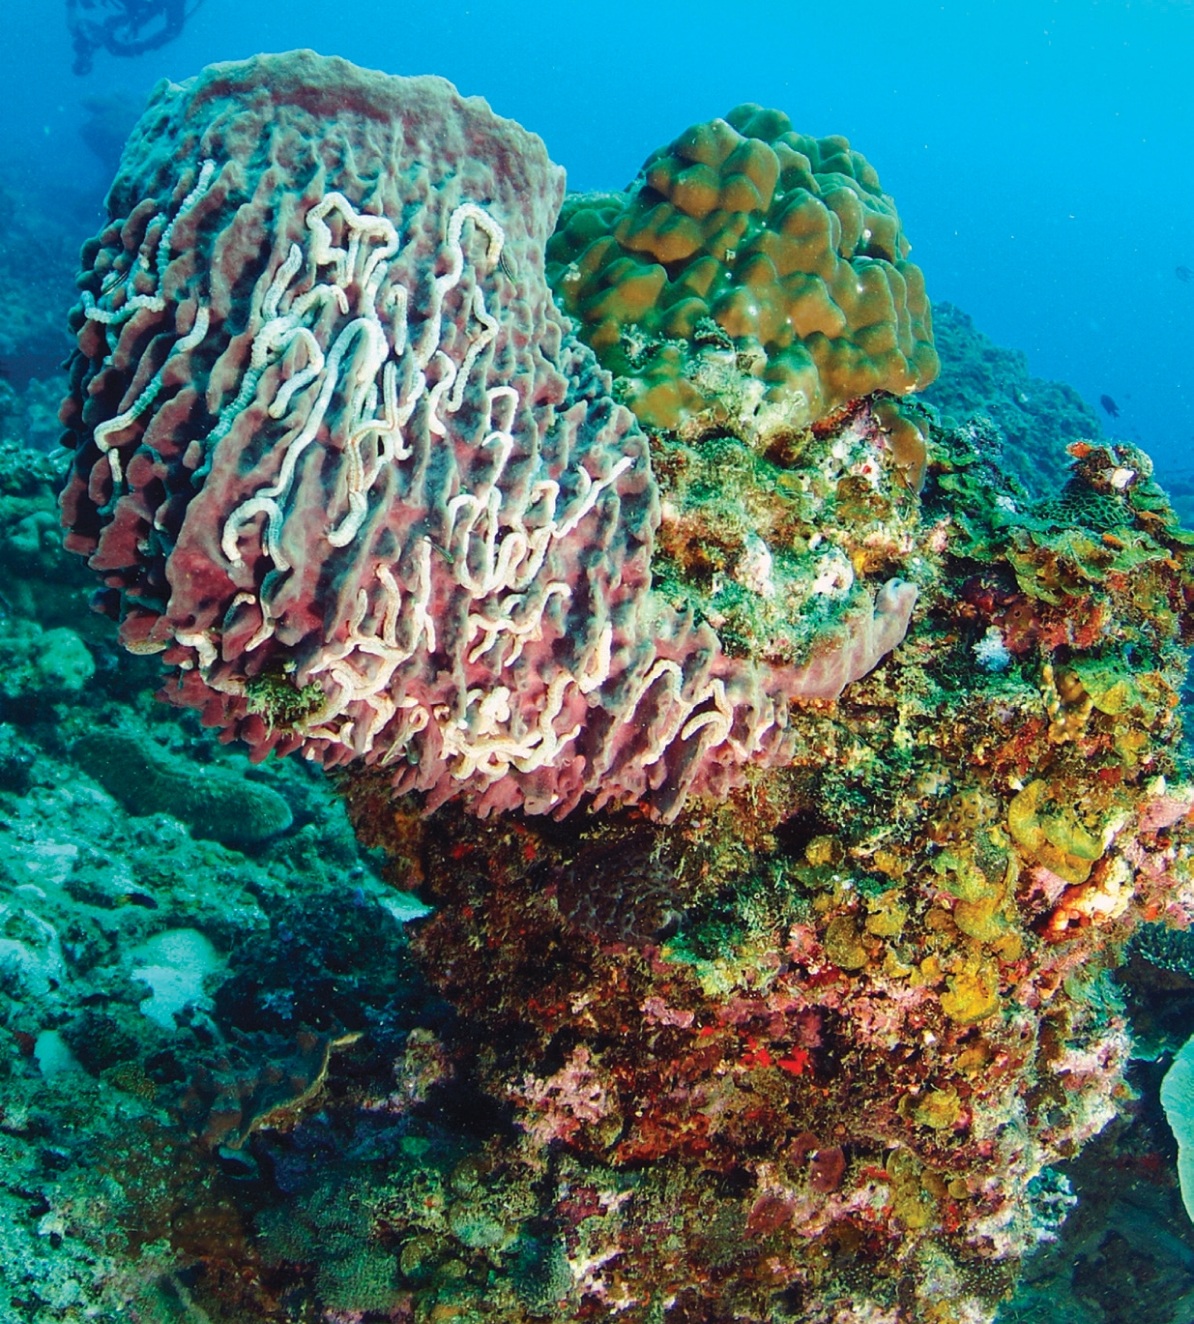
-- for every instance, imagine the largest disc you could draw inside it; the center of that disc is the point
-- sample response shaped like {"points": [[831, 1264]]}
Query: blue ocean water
{"points": [[1038, 150]]}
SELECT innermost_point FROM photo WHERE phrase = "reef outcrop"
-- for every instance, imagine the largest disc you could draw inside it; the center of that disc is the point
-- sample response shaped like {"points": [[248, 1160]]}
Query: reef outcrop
{"points": [[833, 1032], [784, 779]]}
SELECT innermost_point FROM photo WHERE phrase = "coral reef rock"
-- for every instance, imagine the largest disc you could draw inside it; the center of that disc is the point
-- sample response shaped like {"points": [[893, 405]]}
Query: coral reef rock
{"points": [[812, 1052], [836, 771]]}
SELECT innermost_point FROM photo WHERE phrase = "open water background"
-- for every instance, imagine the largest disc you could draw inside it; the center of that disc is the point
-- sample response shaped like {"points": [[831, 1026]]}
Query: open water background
{"points": [[1039, 150]]}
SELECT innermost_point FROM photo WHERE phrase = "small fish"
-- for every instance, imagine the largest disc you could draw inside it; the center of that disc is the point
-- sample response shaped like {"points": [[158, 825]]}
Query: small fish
{"points": [[1109, 405], [1184, 274]]}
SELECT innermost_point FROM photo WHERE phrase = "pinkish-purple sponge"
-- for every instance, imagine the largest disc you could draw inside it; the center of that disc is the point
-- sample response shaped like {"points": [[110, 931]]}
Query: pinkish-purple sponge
{"points": [[340, 459]]}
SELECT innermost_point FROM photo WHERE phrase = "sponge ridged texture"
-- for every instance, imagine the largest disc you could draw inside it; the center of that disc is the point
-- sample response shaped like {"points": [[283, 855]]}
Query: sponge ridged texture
{"points": [[341, 461]]}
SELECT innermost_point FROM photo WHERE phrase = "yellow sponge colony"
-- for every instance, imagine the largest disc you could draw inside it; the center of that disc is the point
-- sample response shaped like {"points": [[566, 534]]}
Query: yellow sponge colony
{"points": [[752, 279]]}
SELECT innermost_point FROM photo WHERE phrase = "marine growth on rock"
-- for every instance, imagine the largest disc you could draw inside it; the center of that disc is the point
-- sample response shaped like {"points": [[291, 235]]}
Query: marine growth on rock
{"points": [[785, 779]]}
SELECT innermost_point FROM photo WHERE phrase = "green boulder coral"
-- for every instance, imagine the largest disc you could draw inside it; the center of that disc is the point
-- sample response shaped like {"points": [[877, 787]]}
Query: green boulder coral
{"points": [[147, 778]]}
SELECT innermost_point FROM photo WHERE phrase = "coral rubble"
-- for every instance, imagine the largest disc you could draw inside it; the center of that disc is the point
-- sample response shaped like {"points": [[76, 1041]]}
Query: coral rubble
{"points": [[145, 778], [162, 996]]}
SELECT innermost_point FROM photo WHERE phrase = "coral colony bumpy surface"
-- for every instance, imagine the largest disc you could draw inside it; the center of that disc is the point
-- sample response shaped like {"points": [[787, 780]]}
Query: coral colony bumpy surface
{"points": [[784, 779]]}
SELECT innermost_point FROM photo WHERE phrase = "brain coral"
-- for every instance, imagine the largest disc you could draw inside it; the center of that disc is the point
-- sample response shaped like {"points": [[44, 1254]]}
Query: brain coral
{"points": [[750, 277], [340, 459]]}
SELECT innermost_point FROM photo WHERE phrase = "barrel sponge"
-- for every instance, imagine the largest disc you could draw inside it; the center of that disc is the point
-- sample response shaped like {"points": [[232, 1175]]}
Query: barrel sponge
{"points": [[746, 251], [339, 457]]}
